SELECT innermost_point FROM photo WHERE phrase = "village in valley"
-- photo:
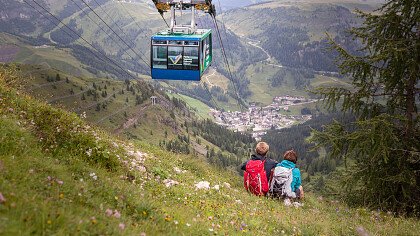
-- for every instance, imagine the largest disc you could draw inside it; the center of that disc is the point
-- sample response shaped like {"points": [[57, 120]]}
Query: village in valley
{"points": [[257, 120]]}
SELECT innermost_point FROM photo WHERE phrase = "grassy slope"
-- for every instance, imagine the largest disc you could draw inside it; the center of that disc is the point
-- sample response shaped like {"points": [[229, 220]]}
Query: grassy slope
{"points": [[58, 58], [148, 123], [202, 109], [260, 84], [47, 161]]}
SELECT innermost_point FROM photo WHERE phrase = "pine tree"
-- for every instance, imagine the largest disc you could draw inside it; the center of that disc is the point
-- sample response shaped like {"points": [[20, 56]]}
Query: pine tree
{"points": [[384, 140]]}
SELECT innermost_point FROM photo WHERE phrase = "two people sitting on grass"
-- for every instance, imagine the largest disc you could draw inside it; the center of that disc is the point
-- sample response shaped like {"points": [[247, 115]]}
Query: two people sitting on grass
{"points": [[257, 170], [266, 177]]}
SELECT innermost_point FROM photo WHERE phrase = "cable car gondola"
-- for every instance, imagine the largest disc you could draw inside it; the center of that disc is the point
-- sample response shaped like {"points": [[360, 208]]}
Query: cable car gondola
{"points": [[181, 52]]}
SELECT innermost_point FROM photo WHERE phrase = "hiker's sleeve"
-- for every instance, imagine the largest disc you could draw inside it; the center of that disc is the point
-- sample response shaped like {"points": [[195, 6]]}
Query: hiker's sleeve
{"points": [[243, 166], [274, 164], [297, 179]]}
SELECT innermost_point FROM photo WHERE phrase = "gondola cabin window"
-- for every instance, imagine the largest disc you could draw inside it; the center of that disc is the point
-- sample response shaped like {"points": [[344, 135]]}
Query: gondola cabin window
{"points": [[160, 56]]}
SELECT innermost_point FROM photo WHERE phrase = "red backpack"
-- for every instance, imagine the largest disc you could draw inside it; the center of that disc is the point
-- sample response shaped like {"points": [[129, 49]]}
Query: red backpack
{"points": [[255, 178]]}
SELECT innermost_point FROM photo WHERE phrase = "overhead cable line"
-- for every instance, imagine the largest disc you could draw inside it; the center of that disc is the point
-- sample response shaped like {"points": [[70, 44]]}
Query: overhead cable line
{"points": [[227, 39], [238, 99], [164, 20], [228, 43], [99, 26], [128, 13], [205, 85], [115, 23], [115, 33], [56, 24], [223, 25], [71, 36], [132, 17], [74, 32]]}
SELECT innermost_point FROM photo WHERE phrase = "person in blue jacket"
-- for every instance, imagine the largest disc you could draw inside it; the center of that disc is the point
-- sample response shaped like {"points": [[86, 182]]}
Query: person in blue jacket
{"points": [[290, 159]]}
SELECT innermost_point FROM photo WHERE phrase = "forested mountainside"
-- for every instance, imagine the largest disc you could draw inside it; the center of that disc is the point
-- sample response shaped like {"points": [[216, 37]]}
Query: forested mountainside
{"points": [[61, 175], [295, 32], [125, 108]]}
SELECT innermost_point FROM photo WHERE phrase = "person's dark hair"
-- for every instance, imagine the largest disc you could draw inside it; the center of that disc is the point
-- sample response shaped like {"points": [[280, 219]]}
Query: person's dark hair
{"points": [[290, 155]]}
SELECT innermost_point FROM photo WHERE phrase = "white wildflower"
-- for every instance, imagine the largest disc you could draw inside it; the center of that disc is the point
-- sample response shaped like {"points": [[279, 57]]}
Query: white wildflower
{"points": [[94, 176], [89, 152]]}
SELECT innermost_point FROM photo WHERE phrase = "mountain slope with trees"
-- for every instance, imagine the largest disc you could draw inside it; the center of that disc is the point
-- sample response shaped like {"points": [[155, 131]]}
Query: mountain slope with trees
{"points": [[61, 175], [125, 108]]}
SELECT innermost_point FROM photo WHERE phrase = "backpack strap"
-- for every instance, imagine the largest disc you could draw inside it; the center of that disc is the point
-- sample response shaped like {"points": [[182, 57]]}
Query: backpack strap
{"points": [[271, 175]]}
